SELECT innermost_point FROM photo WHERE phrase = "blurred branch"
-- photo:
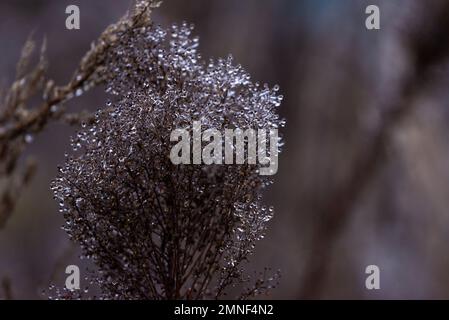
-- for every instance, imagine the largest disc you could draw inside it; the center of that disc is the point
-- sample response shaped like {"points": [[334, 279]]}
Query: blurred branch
{"points": [[428, 46], [14, 187], [6, 287]]}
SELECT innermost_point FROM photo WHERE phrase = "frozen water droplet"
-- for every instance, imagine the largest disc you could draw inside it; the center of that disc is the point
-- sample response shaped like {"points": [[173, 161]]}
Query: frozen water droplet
{"points": [[28, 138], [78, 92]]}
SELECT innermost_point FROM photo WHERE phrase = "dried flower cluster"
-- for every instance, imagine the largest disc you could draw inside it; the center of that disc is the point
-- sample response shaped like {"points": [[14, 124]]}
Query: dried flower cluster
{"points": [[157, 230]]}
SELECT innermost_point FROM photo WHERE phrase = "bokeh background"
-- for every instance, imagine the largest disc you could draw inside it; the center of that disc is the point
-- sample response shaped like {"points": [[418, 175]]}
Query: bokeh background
{"points": [[338, 79]]}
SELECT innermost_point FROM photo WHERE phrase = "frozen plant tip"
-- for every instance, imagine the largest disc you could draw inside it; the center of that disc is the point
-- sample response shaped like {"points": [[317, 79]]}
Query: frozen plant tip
{"points": [[156, 230]]}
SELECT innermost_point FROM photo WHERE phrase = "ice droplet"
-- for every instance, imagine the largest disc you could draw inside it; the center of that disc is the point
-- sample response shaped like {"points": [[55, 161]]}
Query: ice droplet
{"points": [[28, 138], [78, 92]]}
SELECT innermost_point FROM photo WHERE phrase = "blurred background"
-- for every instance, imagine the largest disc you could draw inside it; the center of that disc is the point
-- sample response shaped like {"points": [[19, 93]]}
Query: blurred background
{"points": [[354, 188]]}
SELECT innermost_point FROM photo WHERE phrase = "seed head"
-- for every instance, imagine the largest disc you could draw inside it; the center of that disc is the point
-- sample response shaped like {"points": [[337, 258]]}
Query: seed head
{"points": [[156, 230]]}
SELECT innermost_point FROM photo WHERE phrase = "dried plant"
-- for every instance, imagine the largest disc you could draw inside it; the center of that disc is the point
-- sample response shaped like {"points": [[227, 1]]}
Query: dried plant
{"points": [[21, 119], [156, 230]]}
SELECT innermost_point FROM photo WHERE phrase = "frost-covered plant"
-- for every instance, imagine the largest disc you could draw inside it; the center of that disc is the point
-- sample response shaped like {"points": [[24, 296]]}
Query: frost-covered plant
{"points": [[156, 230]]}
